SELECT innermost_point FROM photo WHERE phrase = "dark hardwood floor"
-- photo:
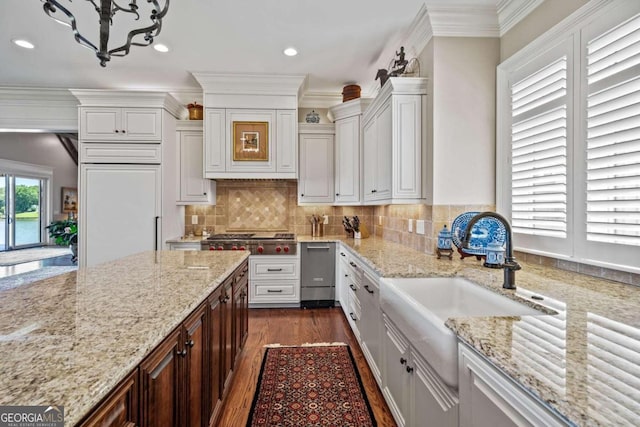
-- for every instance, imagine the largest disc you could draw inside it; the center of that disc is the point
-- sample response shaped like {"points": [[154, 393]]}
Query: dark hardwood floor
{"points": [[293, 327]]}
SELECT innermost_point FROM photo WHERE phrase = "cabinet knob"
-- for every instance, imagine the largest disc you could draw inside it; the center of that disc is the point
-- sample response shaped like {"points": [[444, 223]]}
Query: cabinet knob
{"points": [[403, 361], [117, 131], [337, 194], [204, 194], [374, 191], [302, 195], [190, 343], [124, 131], [409, 369]]}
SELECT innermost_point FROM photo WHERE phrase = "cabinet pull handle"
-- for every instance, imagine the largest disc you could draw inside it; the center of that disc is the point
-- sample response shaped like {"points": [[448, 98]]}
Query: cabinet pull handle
{"points": [[156, 242], [409, 369], [182, 353], [274, 291], [321, 248], [190, 343], [353, 287], [403, 361], [274, 269], [353, 317], [342, 253], [368, 290], [374, 191]]}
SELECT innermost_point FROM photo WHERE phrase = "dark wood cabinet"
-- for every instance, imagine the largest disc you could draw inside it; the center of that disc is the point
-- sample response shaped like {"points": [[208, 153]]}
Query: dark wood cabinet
{"points": [[182, 382], [195, 364], [120, 408], [216, 346], [161, 384]]}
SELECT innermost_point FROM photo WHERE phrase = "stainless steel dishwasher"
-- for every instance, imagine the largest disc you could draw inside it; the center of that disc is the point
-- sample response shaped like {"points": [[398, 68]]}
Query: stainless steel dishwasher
{"points": [[317, 284]]}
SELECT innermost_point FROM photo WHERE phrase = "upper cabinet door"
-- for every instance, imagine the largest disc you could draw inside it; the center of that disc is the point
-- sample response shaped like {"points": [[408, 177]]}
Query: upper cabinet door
{"points": [[142, 124], [120, 124], [347, 161], [316, 169], [287, 143], [193, 188], [215, 150]]}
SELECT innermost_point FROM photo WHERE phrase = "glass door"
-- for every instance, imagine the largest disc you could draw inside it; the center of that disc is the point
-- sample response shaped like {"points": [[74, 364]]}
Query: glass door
{"points": [[22, 212]]}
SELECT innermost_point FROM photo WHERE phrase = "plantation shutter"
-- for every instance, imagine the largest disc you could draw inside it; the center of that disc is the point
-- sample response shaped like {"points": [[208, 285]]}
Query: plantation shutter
{"points": [[539, 151], [613, 136]]}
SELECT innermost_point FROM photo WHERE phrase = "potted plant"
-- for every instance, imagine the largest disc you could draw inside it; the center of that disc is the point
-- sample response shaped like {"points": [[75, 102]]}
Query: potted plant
{"points": [[65, 233]]}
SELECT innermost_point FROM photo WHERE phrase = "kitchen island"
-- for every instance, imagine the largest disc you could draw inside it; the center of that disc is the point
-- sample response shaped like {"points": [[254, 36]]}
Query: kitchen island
{"points": [[71, 339], [581, 362]]}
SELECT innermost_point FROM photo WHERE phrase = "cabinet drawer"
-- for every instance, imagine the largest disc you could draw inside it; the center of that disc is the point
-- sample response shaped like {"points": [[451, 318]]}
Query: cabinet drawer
{"points": [[274, 267], [272, 291], [120, 153]]}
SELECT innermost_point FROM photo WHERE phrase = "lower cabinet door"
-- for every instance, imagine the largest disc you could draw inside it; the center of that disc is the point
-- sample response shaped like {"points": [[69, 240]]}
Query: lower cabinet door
{"points": [[194, 344], [216, 343], [120, 409], [160, 381], [396, 381]]}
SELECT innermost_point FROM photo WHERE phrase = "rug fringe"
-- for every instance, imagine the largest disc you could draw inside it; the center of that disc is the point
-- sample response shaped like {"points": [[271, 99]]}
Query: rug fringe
{"points": [[307, 344]]}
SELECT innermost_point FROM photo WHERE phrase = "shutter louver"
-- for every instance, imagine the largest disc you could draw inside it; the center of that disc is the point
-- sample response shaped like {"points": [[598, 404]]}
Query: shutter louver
{"points": [[613, 136], [539, 152]]}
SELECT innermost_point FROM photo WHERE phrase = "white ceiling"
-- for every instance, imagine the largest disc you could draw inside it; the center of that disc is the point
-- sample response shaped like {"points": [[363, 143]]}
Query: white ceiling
{"points": [[339, 42]]}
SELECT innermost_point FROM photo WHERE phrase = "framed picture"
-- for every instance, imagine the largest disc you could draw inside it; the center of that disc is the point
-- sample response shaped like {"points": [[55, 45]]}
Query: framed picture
{"points": [[69, 201], [250, 141]]}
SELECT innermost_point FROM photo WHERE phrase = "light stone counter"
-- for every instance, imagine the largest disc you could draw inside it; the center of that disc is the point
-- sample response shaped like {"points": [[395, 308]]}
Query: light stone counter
{"points": [[584, 361], [69, 340]]}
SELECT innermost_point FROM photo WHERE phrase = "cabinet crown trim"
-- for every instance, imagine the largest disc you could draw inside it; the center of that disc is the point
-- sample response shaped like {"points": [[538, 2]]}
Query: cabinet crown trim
{"points": [[191, 125], [250, 84], [316, 128], [129, 98], [349, 108], [397, 86]]}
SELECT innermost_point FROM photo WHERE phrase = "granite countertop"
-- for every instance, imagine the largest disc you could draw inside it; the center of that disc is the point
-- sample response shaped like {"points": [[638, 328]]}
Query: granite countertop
{"points": [[582, 361], [70, 339]]}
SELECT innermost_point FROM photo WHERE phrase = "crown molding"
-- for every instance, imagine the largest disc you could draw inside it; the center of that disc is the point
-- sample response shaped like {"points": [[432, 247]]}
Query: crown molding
{"points": [[42, 109], [510, 12], [128, 98], [316, 128], [348, 109], [250, 84], [190, 125], [319, 99], [463, 21]]}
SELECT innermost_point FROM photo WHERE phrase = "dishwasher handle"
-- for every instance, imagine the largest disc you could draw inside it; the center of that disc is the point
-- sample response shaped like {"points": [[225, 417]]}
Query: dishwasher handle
{"points": [[321, 248]]}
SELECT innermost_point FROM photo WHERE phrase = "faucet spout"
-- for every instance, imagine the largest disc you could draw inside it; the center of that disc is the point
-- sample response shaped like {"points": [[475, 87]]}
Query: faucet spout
{"points": [[510, 265]]}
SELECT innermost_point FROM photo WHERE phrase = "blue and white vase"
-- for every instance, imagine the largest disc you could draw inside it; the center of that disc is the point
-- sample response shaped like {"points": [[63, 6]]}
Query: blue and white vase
{"points": [[444, 238], [495, 255]]}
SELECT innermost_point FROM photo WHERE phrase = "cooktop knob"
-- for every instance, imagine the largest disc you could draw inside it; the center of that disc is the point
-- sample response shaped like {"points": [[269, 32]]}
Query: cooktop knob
{"points": [[286, 248], [220, 248], [234, 248], [278, 249], [211, 248], [260, 249], [242, 248]]}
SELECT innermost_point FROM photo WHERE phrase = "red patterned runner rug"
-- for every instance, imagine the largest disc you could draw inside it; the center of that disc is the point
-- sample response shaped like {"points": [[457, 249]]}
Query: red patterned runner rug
{"points": [[312, 385]]}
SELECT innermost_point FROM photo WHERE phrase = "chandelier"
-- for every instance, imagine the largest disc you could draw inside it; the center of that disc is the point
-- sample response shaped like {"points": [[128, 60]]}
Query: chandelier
{"points": [[106, 11]]}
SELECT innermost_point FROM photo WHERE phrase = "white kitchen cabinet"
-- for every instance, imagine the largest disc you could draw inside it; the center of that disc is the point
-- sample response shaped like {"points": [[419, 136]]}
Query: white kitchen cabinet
{"points": [[315, 183], [116, 124], [377, 156], [490, 398], [412, 389], [274, 281], [371, 323], [281, 142], [394, 143], [348, 164], [215, 147], [123, 206], [287, 141], [193, 188]]}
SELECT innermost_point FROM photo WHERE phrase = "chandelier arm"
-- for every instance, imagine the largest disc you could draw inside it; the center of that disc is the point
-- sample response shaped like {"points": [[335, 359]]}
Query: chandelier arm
{"points": [[150, 31], [50, 6], [133, 8], [95, 6]]}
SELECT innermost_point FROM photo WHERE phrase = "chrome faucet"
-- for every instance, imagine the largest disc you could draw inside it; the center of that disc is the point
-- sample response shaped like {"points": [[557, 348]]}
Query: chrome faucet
{"points": [[510, 265]]}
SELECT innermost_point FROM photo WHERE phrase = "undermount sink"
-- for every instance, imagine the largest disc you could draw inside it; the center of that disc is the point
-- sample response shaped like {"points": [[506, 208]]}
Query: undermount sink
{"points": [[421, 306]]}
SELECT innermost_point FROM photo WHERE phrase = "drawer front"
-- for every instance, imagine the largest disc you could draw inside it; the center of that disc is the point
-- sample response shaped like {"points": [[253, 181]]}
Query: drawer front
{"points": [[272, 291], [120, 153], [274, 267]]}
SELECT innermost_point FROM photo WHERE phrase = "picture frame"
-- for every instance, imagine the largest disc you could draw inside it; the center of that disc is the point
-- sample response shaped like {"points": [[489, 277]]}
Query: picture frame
{"points": [[250, 141], [69, 200]]}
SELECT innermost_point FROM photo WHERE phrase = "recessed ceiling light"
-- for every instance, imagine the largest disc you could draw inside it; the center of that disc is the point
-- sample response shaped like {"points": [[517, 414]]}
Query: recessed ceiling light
{"points": [[161, 47], [23, 43], [290, 51]]}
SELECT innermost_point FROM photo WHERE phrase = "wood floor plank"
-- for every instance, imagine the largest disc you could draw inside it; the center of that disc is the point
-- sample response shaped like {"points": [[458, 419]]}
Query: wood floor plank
{"points": [[293, 326]]}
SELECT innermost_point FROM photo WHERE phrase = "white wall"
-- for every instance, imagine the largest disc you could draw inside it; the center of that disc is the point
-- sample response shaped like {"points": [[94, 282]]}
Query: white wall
{"points": [[541, 19], [42, 149], [464, 93]]}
